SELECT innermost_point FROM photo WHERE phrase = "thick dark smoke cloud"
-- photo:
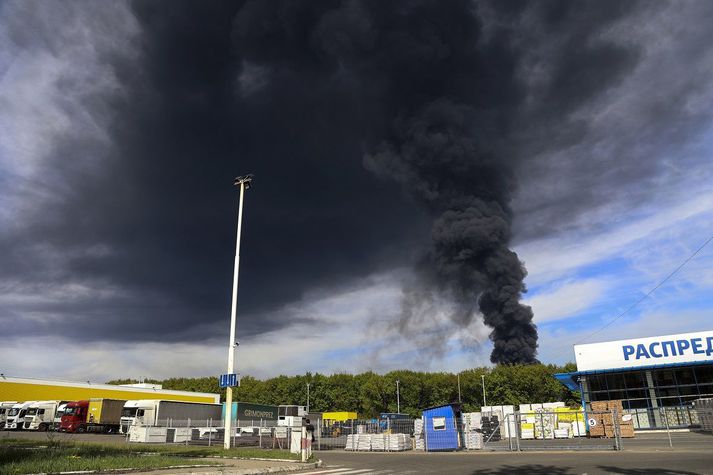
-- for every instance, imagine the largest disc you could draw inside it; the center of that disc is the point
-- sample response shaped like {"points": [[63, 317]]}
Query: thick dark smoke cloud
{"points": [[380, 133]]}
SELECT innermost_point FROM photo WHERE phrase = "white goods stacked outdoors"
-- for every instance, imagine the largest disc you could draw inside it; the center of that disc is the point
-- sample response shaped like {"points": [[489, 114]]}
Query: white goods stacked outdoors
{"points": [[380, 442], [474, 440], [420, 442], [544, 424], [397, 442], [704, 411]]}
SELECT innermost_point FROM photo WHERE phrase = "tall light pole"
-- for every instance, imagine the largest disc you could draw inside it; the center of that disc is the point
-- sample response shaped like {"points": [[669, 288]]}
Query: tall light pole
{"points": [[244, 183], [398, 398], [307, 398], [483, 378], [459, 399]]}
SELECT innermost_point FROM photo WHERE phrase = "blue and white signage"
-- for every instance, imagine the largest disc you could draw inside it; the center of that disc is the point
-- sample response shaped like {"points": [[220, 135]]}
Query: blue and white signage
{"points": [[228, 380], [670, 349]]}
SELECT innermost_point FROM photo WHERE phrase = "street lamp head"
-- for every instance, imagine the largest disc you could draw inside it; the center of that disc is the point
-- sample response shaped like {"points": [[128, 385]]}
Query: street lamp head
{"points": [[244, 180]]}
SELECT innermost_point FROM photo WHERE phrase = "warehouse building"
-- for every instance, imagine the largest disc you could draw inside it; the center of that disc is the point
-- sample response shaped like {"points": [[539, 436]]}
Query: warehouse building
{"points": [[657, 378], [25, 389]]}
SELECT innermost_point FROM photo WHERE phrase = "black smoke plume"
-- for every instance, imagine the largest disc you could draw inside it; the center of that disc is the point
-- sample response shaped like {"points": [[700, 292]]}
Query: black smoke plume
{"points": [[434, 94]]}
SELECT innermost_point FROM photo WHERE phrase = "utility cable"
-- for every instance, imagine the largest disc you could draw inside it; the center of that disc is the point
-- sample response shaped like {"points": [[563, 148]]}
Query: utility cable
{"points": [[645, 296]]}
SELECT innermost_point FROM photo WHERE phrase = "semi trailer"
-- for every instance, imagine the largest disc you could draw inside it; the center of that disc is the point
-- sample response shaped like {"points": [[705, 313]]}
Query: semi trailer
{"points": [[40, 415], [93, 415], [148, 412]]}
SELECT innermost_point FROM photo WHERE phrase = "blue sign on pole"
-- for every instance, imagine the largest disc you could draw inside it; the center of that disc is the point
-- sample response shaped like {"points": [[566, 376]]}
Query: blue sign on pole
{"points": [[228, 380]]}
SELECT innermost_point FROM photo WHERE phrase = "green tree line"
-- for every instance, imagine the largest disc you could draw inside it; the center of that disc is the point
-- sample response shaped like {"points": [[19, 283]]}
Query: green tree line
{"points": [[370, 393]]}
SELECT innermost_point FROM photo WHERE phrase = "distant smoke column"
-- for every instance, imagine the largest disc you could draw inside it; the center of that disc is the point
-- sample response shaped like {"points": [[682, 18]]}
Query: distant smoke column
{"points": [[467, 189]]}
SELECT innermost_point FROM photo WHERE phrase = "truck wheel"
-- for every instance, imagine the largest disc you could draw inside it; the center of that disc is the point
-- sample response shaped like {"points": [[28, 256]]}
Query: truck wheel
{"points": [[81, 429], [43, 428]]}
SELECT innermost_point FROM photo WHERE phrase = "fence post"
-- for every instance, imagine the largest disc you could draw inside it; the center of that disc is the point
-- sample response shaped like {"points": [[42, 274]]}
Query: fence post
{"points": [[668, 429], [615, 420], [210, 430], [260, 433], [303, 444], [518, 425], [425, 435]]}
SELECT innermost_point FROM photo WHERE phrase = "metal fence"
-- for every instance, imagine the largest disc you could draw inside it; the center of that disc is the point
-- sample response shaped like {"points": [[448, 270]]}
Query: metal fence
{"points": [[551, 430], [362, 435], [245, 433]]}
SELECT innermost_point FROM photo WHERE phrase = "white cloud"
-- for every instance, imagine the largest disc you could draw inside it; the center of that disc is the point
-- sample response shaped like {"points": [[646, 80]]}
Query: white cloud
{"points": [[348, 330], [567, 298], [565, 254]]}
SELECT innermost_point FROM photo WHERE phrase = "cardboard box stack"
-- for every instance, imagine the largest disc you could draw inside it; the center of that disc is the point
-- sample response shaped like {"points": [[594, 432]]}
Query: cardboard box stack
{"points": [[601, 419]]}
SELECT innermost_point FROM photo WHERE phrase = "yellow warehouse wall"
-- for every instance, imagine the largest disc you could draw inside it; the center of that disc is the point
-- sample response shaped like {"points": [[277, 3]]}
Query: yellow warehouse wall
{"points": [[40, 392]]}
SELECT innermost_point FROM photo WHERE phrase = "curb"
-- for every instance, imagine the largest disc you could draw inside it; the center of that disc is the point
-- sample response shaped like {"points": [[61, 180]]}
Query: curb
{"points": [[244, 471]]}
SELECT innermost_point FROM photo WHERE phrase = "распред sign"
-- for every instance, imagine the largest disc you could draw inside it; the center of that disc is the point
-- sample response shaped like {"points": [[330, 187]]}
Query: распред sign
{"points": [[669, 349]]}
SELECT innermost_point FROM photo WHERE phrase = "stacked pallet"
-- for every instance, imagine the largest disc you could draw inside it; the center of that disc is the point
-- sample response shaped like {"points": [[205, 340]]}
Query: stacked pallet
{"points": [[601, 420], [474, 440], [397, 442], [472, 427], [359, 442], [704, 412], [491, 428], [544, 424], [378, 442], [419, 441]]}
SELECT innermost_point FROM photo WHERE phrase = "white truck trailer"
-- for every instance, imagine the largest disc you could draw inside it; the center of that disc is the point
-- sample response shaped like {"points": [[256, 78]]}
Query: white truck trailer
{"points": [[5, 407], [149, 412], [40, 415]]}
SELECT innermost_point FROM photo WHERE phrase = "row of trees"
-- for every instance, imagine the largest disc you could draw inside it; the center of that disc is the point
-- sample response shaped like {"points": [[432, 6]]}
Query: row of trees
{"points": [[371, 393]]}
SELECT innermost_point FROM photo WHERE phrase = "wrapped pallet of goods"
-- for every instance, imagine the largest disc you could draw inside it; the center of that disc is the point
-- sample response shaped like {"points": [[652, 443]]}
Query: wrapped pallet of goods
{"points": [[378, 442], [419, 441], [472, 426], [474, 440], [704, 412], [544, 424], [527, 425], [397, 442]]}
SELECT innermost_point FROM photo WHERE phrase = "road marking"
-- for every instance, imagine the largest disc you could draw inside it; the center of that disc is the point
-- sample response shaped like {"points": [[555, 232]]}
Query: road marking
{"points": [[337, 470]]}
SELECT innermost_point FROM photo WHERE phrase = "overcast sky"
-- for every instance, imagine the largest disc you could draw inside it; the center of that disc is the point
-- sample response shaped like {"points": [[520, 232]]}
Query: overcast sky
{"points": [[123, 124]]}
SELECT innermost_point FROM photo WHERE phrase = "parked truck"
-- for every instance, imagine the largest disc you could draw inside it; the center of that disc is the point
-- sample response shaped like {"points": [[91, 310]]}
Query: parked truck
{"points": [[40, 415], [93, 415], [148, 412], [16, 415], [57, 422], [5, 407]]}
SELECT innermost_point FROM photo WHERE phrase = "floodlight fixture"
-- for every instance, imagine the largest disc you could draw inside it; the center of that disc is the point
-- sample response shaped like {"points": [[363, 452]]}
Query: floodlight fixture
{"points": [[245, 180]]}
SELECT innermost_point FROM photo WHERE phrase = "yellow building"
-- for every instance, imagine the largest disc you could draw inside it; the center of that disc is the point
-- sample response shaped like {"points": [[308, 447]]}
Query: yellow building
{"points": [[25, 389]]}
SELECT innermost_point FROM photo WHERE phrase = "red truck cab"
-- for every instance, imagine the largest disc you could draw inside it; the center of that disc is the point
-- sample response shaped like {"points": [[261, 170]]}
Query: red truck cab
{"points": [[75, 417]]}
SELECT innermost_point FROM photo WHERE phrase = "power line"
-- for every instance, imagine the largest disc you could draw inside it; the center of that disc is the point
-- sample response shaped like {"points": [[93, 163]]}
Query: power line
{"points": [[674, 272]]}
